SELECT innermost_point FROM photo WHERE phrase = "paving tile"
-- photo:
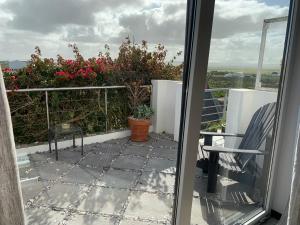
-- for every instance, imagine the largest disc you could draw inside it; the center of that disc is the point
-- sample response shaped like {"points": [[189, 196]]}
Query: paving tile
{"points": [[165, 143], [152, 182], [31, 189], [104, 200], [142, 151], [97, 160], [90, 220], [120, 141], [107, 148], [52, 170], [165, 153], [148, 143], [67, 156], [62, 195], [81, 175], [28, 172], [161, 165], [40, 157], [44, 216], [136, 222], [128, 162], [117, 179], [149, 206]]}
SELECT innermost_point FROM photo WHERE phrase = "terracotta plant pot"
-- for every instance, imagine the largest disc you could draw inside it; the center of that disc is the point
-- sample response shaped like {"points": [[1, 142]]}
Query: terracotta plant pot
{"points": [[139, 129]]}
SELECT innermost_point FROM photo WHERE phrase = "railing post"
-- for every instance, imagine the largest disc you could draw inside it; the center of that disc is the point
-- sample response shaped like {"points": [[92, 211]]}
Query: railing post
{"points": [[106, 124], [225, 104], [47, 109]]}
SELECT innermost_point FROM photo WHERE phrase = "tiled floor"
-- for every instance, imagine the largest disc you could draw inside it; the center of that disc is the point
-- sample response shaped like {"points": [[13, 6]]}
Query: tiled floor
{"points": [[117, 183]]}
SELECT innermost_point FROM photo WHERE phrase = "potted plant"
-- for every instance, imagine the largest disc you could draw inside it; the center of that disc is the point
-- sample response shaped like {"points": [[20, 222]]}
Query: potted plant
{"points": [[139, 122]]}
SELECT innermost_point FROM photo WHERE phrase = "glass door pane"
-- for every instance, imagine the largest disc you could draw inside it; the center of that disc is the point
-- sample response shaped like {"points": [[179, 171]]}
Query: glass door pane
{"points": [[239, 110]]}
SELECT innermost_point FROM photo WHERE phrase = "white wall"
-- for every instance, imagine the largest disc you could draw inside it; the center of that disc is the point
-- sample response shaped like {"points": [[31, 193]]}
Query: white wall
{"points": [[68, 143], [242, 104]]}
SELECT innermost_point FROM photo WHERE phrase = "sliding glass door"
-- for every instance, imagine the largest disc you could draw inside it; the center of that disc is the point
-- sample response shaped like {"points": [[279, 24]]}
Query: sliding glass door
{"points": [[231, 100]]}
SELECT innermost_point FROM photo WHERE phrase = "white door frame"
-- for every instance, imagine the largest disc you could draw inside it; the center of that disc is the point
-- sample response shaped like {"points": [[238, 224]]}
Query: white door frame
{"points": [[195, 71]]}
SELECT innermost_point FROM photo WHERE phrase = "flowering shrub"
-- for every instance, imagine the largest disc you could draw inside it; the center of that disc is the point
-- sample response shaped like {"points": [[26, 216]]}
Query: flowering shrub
{"points": [[134, 66], [10, 78], [134, 62]]}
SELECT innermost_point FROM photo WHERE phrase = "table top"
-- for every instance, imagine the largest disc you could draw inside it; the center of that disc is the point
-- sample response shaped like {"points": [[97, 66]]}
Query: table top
{"points": [[59, 129]]}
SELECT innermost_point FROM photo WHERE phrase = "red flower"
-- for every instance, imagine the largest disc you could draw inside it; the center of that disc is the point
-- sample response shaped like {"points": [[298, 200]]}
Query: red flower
{"points": [[69, 62], [7, 70]]}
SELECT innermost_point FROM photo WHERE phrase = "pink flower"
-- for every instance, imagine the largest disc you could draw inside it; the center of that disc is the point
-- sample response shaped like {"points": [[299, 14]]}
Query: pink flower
{"points": [[7, 70]]}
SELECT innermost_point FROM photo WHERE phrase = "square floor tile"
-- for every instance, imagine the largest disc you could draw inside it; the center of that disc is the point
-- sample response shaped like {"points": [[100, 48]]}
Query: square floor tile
{"points": [[68, 156], [152, 182], [40, 157], [90, 220], [149, 206], [43, 216], [141, 151], [82, 175], [97, 160], [129, 162], [107, 148], [62, 195], [118, 179], [31, 189], [136, 222], [52, 170], [165, 153], [165, 143], [161, 165], [104, 200], [27, 172]]}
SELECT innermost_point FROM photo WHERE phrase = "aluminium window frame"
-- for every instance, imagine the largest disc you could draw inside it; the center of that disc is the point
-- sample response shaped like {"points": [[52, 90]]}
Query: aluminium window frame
{"points": [[198, 32]]}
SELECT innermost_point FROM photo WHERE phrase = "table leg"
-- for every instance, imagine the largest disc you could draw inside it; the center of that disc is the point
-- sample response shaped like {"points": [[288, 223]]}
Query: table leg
{"points": [[81, 143], [49, 141], [74, 141], [208, 142], [56, 152], [212, 172]]}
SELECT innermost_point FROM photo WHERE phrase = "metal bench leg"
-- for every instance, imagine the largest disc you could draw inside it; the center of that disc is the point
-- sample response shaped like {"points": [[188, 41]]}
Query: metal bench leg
{"points": [[74, 141], [81, 143], [49, 141], [56, 152], [212, 172]]}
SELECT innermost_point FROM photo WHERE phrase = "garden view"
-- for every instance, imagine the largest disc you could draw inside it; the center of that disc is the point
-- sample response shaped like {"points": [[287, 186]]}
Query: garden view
{"points": [[97, 110]]}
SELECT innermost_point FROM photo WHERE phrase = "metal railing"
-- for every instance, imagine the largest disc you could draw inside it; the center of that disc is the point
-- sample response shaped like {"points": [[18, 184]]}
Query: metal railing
{"points": [[215, 105], [47, 111], [47, 90]]}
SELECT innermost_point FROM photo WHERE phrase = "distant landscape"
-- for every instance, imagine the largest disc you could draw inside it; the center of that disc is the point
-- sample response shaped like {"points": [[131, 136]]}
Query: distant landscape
{"points": [[218, 76]]}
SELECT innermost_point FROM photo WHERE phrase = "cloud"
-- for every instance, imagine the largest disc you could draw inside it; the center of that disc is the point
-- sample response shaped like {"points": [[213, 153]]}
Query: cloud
{"points": [[240, 16], [165, 24], [46, 16], [52, 24]]}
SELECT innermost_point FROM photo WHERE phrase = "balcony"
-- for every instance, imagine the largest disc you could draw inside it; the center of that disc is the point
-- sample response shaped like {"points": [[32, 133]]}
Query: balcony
{"points": [[118, 181]]}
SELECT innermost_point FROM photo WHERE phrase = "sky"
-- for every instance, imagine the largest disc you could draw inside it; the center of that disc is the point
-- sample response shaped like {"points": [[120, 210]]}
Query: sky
{"points": [[91, 24]]}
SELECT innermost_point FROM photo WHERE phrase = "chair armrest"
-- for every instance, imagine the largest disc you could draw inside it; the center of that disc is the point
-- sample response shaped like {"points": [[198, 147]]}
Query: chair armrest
{"points": [[232, 150], [206, 133]]}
